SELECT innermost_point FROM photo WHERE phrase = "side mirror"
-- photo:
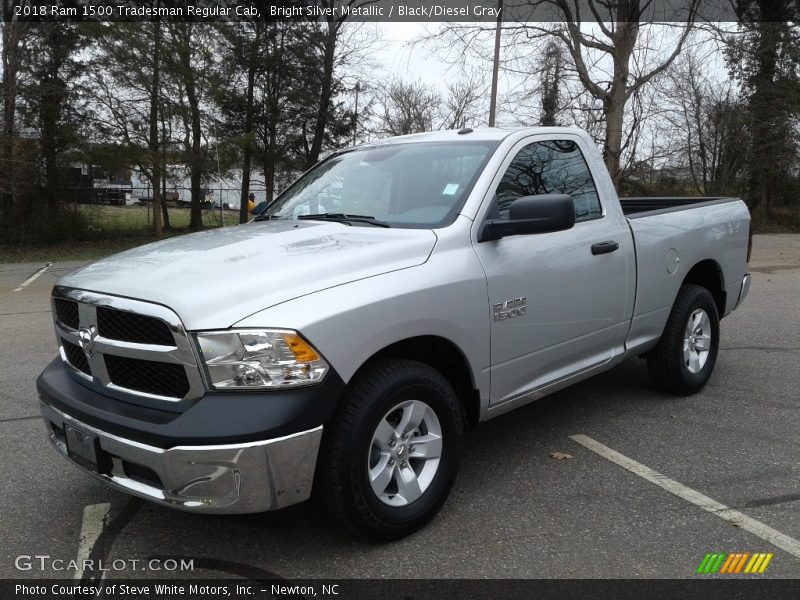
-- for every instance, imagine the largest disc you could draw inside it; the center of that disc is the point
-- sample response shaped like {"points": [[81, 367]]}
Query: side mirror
{"points": [[543, 213]]}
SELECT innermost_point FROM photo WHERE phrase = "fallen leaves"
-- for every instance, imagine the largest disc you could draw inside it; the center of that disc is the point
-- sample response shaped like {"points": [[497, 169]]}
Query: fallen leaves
{"points": [[560, 455]]}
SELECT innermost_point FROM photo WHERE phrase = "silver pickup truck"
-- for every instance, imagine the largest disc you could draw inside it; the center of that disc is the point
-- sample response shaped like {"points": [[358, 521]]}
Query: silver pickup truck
{"points": [[396, 294]]}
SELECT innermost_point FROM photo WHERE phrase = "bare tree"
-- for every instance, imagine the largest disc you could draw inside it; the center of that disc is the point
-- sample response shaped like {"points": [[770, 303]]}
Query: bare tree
{"points": [[125, 89], [464, 104], [404, 107], [333, 54], [242, 63], [552, 79], [613, 50], [275, 105], [153, 139], [407, 107], [618, 27], [706, 126], [188, 69]]}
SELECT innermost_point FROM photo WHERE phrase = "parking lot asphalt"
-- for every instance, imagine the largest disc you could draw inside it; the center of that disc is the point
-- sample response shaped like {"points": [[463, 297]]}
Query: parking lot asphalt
{"points": [[514, 512]]}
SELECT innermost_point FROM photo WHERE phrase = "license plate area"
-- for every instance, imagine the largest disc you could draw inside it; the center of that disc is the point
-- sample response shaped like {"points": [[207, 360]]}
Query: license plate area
{"points": [[84, 448]]}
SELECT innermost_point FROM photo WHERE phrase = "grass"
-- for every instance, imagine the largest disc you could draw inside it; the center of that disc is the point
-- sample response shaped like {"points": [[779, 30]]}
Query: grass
{"points": [[137, 219], [113, 229]]}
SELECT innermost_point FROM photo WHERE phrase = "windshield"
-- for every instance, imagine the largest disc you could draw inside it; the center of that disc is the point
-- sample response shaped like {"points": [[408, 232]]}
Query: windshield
{"points": [[403, 185]]}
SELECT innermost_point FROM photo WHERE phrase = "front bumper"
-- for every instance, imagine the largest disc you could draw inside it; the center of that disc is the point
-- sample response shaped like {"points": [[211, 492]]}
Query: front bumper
{"points": [[226, 452], [226, 478]]}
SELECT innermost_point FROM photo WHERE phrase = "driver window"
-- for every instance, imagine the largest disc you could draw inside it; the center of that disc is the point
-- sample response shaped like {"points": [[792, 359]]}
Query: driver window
{"points": [[551, 167]]}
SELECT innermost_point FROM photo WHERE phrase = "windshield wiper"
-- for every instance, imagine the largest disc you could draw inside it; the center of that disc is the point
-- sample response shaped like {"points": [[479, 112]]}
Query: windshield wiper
{"points": [[267, 217], [343, 218]]}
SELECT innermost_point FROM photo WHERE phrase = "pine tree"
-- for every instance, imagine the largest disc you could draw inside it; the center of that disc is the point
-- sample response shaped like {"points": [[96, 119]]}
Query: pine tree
{"points": [[766, 59]]}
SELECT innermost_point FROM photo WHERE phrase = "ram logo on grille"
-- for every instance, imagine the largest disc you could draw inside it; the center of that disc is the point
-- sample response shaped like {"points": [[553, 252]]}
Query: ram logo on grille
{"points": [[86, 337]]}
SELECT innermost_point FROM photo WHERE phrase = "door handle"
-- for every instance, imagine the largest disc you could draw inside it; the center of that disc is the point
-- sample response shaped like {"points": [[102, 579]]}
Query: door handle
{"points": [[604, 247]]}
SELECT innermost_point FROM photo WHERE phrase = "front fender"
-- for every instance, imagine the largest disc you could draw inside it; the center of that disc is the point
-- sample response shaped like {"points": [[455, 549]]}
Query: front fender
{"points": [[445, 297]]}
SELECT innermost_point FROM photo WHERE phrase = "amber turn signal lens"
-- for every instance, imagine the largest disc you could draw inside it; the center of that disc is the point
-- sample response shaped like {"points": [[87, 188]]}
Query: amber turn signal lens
{"points": [[302, 351]]}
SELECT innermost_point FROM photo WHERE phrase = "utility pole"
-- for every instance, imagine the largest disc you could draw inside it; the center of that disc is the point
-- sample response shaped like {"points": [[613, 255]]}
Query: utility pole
{"points": [[496, 65]]}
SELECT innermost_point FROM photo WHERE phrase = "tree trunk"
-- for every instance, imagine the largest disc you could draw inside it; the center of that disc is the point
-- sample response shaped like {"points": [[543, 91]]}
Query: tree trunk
{"points": [[613, 109], [196, 155], [269, 180], [164, 209], [326, 89], [49, 111], [154, 149], [182, 39], [269, 171], [247, 152], [624, 40], [274, 114], [10, 58], [196, 219]]}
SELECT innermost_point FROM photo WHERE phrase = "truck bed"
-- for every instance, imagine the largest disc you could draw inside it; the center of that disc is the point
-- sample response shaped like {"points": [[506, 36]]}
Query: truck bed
{"points": [[670, 240], [635, 207]]}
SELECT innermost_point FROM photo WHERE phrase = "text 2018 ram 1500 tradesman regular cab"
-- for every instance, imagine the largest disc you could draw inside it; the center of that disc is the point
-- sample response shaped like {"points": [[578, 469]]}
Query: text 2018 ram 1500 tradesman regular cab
{"points": [[395, 293]]}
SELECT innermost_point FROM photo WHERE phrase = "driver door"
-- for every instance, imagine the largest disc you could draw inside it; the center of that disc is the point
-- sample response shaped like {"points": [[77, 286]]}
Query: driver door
{"points": [[574, 308]]}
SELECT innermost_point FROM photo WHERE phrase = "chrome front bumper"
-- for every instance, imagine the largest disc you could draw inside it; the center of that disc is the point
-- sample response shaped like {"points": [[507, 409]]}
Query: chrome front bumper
{"points": [[231, 478]]}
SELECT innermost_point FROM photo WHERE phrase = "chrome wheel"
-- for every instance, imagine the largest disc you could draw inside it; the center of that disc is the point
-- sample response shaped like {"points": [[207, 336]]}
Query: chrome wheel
{"points": [[697, 341], [405, 452]]}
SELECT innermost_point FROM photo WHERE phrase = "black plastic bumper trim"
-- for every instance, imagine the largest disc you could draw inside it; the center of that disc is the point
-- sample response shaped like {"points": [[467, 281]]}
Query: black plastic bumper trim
{"points": [[216, 418]]}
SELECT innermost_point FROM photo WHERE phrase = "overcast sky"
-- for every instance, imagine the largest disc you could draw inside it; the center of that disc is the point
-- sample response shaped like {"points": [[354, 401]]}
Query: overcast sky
{"points": [[399, 59], [402, 60]]}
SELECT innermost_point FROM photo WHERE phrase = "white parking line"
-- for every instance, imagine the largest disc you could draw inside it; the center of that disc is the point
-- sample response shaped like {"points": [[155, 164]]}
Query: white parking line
{"points": [[757, 528], [94, 519], [32, 278]]}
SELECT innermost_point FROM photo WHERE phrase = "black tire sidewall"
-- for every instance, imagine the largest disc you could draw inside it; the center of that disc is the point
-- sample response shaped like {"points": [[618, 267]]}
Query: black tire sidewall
{"points": [[700, 299], [424, 384]]}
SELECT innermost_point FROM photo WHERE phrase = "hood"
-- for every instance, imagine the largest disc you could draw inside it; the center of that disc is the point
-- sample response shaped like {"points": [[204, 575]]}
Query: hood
{"points": [[215, 278]]}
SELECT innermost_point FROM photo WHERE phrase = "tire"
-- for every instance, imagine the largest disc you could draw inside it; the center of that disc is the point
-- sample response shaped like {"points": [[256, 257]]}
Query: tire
{"points": [[365, 436], [684, 358]]}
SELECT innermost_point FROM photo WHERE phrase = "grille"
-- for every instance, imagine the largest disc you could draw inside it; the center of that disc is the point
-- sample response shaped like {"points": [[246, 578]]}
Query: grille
{"points": [[130, 327], [75, 356], [67, 312], [126, 356], [161, 379]]}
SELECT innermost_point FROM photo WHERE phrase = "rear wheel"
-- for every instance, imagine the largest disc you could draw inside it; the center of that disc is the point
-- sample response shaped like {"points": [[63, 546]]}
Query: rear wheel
{"points": [[684, 358], [390, 456]]}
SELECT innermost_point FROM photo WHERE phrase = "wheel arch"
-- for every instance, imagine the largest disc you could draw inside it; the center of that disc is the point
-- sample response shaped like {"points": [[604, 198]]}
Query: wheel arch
{"points": [[444, 356], [708, 274]]}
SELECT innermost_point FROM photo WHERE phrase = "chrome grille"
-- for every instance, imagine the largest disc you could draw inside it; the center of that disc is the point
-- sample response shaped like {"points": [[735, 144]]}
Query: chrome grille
{"points": [[129, 327], [162, 379], [75, 356], [126, 345], [67, 312]]}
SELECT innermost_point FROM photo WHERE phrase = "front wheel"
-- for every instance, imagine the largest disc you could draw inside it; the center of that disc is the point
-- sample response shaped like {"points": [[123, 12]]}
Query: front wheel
{"points": [[390, 456], [684, 358]]}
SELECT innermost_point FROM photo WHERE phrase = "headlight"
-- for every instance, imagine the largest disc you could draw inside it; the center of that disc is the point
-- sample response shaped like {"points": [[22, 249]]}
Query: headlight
{"points": [[251, 359]]}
